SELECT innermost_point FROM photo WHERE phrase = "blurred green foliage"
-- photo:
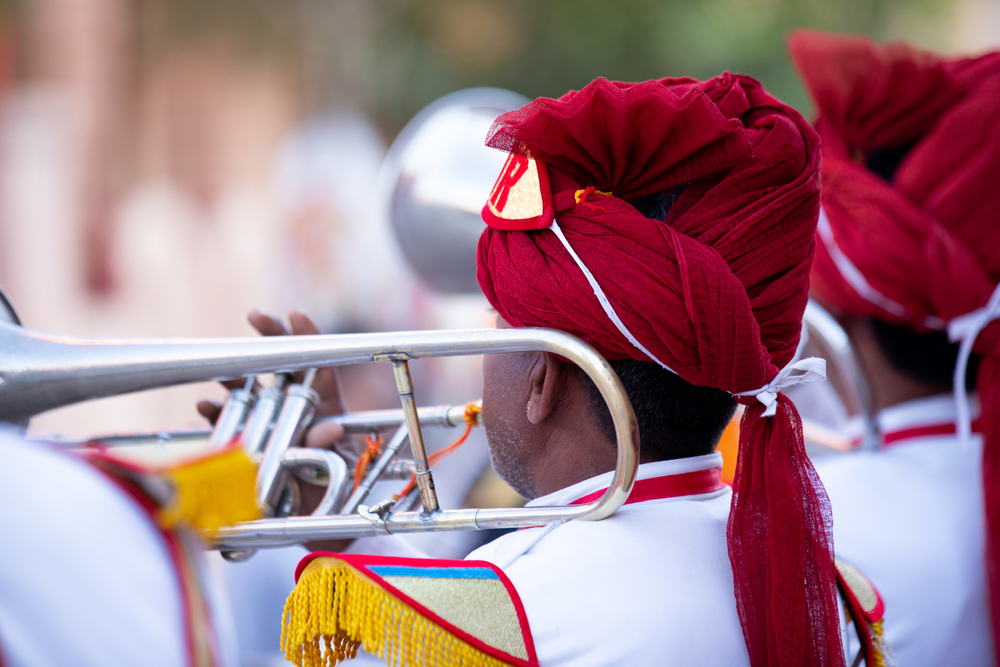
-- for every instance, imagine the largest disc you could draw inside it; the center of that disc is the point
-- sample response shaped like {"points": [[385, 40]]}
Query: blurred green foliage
{"points": [[419, 50], [544, 48]]}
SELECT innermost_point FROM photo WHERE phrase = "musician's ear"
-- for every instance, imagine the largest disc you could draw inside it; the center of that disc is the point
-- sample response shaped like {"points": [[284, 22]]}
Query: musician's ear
{"points": [[549, 383]]}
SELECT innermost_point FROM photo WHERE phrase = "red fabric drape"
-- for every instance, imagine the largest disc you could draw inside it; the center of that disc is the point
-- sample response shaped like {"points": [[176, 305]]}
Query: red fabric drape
{"points": [[716, 292], [930, 239]]}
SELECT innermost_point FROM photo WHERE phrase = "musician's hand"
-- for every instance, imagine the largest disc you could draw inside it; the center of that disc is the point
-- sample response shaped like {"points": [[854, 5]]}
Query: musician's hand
{"points": [[326, 383], [326, 435], [210, 410]]}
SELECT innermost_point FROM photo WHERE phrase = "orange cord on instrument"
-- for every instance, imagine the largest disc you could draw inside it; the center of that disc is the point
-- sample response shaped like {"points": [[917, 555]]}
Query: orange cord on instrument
{"points": [[471, 418], [373, 451]]}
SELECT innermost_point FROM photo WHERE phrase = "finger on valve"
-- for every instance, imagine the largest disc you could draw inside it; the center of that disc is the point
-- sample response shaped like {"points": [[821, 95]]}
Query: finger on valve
{"points": [[210, 410], [325, 435], [326, 382]]}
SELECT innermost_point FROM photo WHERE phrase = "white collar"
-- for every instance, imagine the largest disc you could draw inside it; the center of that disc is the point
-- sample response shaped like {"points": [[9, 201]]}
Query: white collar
{"points": [[927, 411], [567, 495]]}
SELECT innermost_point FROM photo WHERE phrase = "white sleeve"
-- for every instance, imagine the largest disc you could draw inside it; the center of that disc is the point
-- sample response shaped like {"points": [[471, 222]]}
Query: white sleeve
{"points": [[85, 577]]}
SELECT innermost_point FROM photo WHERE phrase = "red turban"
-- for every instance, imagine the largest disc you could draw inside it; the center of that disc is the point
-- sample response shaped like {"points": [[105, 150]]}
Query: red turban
{"points": [[715, 292], [923, 249]]}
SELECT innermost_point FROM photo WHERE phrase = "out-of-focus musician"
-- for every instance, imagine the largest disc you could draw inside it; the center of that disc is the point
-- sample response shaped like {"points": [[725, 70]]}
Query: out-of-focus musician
{"points": [[102, 564], [908, 247]]}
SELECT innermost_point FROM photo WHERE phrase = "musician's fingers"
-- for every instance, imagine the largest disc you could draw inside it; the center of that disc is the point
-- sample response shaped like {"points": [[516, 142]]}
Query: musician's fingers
{"points": [[326, 383], [266, 324], [234, 384], [325, 435], [301, 324], [210, 410], [269, 325]]}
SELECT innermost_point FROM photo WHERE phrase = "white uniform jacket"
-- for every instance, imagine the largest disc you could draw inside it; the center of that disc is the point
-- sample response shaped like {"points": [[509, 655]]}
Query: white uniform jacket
{"points": [[910, 516], [650, 585], [85, 576]]}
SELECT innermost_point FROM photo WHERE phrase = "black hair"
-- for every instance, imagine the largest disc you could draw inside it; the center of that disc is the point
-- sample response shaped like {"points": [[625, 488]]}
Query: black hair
{"points": [[928, 357], [885, 161], [657, 206], [676, 418]]}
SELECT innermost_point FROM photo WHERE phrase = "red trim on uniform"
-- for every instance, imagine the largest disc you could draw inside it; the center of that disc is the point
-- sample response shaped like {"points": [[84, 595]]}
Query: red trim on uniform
{"points": [[174, 549], [361, 561], [105, 464], [894, 438], [668, 486], [860, 622], [861, 617]]}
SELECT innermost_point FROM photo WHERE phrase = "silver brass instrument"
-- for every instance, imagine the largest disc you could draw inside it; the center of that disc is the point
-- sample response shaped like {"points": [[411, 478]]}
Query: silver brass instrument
{"points": [[435, 179], [40, 371], [7, 313], [856, 394]]}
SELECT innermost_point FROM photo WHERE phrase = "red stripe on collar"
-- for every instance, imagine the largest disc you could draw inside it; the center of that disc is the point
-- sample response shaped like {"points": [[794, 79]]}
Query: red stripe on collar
{"points": [[668, 486], [894, 438]]}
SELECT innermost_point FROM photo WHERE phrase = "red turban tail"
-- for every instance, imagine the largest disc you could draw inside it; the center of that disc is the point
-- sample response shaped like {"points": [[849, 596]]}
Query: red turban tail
{"points": [[925, 247], [715, 292]]}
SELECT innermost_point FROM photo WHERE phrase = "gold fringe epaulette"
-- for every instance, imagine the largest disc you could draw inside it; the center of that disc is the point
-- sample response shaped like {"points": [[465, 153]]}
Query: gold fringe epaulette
{"points": [[341, 603], [212, 491], [204, 493], [864, 607]]}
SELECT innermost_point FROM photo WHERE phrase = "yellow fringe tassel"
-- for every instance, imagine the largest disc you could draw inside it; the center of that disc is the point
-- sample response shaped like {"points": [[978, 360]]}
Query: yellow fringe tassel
{"points": [[884, 656], [335, 606], [581, 194], [211, 491]]}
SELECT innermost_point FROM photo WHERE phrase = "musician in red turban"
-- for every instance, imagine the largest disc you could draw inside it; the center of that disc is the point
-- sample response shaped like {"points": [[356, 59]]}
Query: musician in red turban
{"points": [[670, 224], [908, 258]]}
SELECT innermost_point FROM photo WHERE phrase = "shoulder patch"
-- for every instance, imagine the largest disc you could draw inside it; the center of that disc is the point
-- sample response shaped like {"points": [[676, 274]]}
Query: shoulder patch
{"points": [[869, 602], [864, 606], [405, 611]]}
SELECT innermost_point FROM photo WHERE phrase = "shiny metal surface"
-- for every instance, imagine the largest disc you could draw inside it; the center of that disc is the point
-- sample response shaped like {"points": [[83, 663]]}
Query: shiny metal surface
{"points": [[289, 429], [376, 471], [425, 480], [7, 312], [448, 416], [302, 459], [42, 371], [360, 422], [261, 420], [436, 178], [129, 439], [233, 416], [824, 329], [304, 463]]}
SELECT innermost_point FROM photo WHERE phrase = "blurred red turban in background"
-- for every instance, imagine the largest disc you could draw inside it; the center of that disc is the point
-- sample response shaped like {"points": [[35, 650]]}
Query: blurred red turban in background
{"points": [[921, 249]]}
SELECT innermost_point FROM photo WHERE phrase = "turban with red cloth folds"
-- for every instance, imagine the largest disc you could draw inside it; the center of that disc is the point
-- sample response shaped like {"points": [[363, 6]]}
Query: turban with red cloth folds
{"points": [[923, 249], [716, 292]]}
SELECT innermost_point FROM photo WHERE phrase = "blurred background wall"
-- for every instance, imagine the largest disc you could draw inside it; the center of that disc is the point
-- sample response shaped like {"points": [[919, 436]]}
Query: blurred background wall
{"points": [[168, 165]]}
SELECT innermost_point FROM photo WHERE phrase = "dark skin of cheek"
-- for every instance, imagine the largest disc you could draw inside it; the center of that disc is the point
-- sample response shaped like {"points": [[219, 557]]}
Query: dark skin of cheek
{"points": [[505, 397]]}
